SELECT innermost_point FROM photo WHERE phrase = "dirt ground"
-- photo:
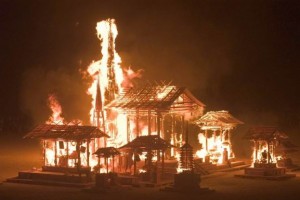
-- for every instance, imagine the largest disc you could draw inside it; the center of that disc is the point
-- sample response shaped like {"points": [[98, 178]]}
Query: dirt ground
{"points": [[19, 155]]}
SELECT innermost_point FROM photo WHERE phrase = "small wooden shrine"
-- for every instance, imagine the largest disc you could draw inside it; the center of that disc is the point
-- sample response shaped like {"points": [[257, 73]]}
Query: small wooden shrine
{"points": [[216, 139], [265, 140], [153, 148]]}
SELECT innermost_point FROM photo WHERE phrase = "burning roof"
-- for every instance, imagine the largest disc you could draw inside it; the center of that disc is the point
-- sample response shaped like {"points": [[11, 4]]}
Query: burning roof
{"points": [[157, 97], [71, 132], [106, 152], [148, 142], [218, 119], [265, 133]]}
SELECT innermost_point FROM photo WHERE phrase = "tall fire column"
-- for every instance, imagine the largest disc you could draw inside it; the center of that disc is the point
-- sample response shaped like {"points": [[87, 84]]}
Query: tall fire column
{"points": [[112, 89], [109, 77]]}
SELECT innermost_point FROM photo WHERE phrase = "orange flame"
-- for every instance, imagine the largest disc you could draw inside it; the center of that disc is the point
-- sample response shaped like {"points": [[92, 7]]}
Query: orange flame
{"points": [[54, 105]]}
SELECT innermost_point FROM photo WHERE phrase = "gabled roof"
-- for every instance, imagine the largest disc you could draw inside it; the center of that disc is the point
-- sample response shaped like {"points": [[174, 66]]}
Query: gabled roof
{"points": [[107, 152], [218, 118], [149, 142], [71, 132], [156, 97], [265, 133]]}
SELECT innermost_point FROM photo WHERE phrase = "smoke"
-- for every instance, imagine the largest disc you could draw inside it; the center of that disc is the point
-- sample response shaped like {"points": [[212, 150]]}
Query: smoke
{"points": [[67, 86]]}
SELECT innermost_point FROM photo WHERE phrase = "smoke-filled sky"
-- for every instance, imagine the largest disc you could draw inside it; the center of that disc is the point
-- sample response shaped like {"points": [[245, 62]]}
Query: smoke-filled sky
{"points": [[242, 56]]}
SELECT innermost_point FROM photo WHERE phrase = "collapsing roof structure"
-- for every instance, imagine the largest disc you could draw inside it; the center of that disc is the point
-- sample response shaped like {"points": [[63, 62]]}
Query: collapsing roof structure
{"points": [[266, 133], [163, 98], [217, 119], [148, 142], [107, 152], [70, 132]]}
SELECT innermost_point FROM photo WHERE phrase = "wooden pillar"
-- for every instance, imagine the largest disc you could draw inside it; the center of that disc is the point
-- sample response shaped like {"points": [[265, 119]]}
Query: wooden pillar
{"points": [[137, 123], [215, 136], [158, 174], [229, 137], [44, 151], [182, 127], [230, 146], [106, 160], [172, 136], [134, 163], [113, 163], [78, 152], [128, 129], [55, 153], [256, 143], [155, 124], [88, 152], [163, 163], [206, 140], [67, 153], [158, 123], [162, 130], [268, 152], [221, 134], [149, 122]]}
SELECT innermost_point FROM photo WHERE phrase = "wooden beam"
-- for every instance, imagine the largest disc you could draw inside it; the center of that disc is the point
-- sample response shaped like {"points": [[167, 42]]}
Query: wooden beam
{"points": [[137, 123], [44, 151], [67, 153], [55, 153], [88, 152]]}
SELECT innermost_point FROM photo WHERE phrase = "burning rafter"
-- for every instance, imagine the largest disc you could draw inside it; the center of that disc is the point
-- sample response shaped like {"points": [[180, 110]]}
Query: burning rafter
{"points": [[71, 132], [217, 119], [148, 142], [157, 97], [265, 133]]}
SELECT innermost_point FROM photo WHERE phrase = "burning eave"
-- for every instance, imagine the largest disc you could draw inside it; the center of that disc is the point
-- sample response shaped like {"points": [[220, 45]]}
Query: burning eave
{"points": [[157, 99], [266, 133], [68, 132], [217, 120]]}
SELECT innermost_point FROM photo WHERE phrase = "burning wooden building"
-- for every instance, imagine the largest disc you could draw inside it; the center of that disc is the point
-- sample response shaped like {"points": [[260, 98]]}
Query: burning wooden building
{"points": [[67, 147], [265, 141], [122, 113], [215, 136], [67, 154], [157, 110]]}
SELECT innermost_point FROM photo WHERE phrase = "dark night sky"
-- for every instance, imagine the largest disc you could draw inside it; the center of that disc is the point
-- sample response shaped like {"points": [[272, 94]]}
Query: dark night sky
{"points": [[242, 56]]}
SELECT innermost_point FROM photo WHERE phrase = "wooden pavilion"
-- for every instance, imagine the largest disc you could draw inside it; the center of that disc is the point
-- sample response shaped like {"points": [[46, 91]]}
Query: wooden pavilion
{"points": [[107, 152], [158, 110], [216, 140], [152, 145], [265, 139], [66, 147]]}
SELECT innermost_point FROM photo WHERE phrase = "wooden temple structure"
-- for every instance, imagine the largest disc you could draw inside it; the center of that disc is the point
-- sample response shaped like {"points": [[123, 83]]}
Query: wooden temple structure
{"points": [[270, 144], [266, 139], [157, 110], [216, 139], [67, 147]]}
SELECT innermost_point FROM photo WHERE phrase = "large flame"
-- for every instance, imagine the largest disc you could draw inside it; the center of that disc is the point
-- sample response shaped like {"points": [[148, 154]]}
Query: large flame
{"points": [[55, 106], [108, 75], [215, 148]]}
